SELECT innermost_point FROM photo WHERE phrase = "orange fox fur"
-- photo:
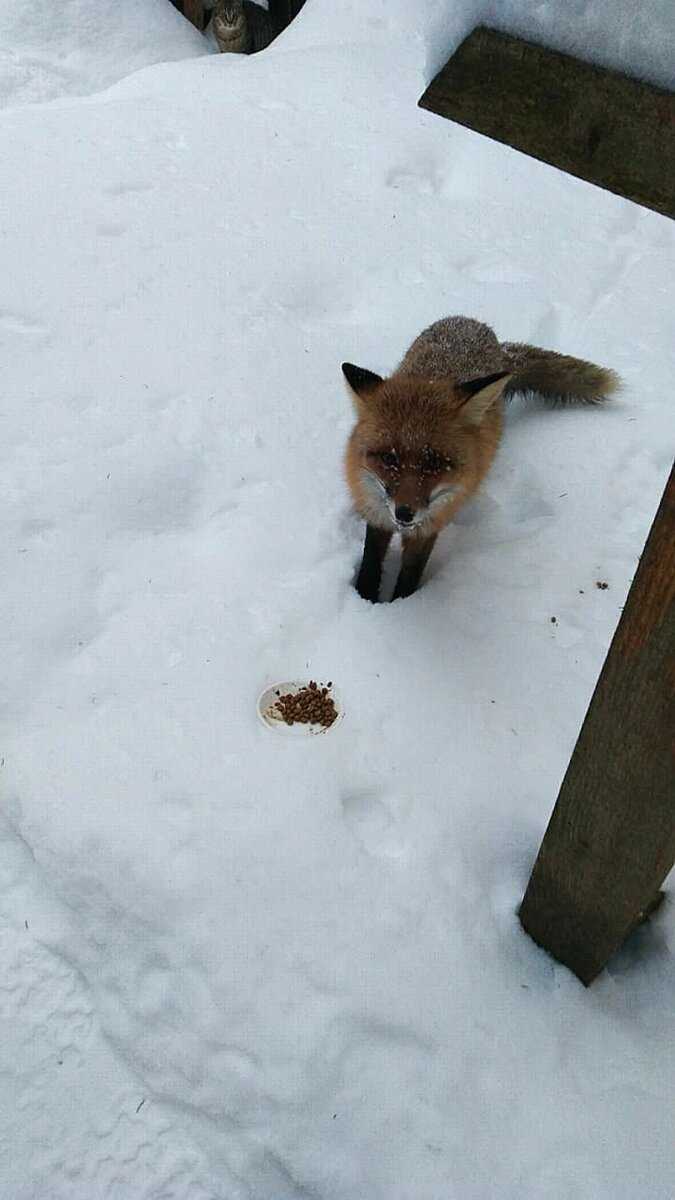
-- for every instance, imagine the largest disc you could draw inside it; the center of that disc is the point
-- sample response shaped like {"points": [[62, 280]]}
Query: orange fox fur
{"points": [[425, 437]]}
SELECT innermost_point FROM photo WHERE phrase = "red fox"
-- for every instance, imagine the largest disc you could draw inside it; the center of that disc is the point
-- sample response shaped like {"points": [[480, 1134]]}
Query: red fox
{"points": [[425, 437]]}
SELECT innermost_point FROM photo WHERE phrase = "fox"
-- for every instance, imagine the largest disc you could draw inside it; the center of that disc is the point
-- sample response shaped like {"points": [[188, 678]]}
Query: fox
{"points": [[426, 436]]}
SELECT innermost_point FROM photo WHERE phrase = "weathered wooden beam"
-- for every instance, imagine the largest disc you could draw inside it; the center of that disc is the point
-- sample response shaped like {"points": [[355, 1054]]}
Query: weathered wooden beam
{"points": [[604, 127], [611, 839], [194, 11], [283, 12]]}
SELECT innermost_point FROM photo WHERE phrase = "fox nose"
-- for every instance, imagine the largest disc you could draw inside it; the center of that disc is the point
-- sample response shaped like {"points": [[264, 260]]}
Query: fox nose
{"points": [[404, 514]]}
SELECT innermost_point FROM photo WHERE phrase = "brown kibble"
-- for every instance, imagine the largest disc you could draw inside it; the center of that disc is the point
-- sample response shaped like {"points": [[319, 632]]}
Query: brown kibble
{"points": [[600, 583], [311, 705]]}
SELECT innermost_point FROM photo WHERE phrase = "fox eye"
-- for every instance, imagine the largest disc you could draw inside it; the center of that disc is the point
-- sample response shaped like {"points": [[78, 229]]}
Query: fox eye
{"points": [[433, 462], [389, 459]]}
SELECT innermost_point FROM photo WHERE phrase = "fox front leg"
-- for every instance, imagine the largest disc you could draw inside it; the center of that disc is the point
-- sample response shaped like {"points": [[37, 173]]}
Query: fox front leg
{"points": [[370, 574], [416, 552]]}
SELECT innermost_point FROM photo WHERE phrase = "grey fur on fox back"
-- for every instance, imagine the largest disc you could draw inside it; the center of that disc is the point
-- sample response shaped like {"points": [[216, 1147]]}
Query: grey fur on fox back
{"points": [[468, 349]]}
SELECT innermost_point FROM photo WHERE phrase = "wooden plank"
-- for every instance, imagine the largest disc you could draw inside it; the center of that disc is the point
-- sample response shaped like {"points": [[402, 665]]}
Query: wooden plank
{"points": [[194, 11], [613, 131], [611, 840], [283, 12]]}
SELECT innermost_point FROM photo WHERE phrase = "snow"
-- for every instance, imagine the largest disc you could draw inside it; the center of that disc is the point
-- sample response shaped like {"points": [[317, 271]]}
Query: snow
{"points": [[76, 47], [241, 966], [635, 38]]}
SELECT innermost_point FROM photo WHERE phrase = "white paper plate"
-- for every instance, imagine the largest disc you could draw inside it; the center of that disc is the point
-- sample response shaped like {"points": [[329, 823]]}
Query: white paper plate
{"points": [[271, 720]]}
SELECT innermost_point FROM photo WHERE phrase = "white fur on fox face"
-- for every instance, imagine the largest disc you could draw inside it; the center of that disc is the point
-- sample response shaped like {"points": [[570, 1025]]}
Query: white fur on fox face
{"points": [[381, 508], [442, 495], [378, 507], [384, 507]]}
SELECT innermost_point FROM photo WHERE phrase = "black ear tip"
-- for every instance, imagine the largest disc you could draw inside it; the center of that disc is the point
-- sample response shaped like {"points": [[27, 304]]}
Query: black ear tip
{"points": [[472, 386], [359, 379], [352, 372]]}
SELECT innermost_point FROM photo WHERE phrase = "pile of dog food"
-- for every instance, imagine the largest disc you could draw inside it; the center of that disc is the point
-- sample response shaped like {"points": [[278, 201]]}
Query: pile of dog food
{"points": [[311, 705]]}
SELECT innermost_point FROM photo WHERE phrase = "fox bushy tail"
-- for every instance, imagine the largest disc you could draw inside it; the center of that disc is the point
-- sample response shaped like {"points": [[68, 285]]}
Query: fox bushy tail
{"points": [[558, 377]]}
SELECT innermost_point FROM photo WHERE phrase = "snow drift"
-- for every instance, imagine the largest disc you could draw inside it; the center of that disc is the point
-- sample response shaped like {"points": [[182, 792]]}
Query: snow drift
{"points": [[236, 965]]}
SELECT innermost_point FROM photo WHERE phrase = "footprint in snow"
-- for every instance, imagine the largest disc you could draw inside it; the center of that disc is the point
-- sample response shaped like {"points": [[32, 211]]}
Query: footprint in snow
{"points": [[35, 527], [424, 179], [362, 1045], [372, 824], [111, 229], [518, 513], [127, 189], [17, 322], [159, 499], [494, 268]]}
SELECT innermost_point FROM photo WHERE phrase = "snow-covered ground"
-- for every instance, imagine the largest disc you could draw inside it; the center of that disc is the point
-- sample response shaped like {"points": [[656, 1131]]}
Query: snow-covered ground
{"points": [[618, 34], [77, 47], [235, 966], [74, 47]]}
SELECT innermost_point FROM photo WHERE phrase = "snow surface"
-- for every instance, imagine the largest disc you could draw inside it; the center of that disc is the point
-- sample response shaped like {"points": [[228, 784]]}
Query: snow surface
{"points": [[619, 34], [235, 966], [75, 47]]}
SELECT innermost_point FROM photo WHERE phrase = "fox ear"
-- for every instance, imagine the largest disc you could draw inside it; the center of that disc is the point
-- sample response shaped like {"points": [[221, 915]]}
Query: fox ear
{"points": [[361, 382], [481, 394]]}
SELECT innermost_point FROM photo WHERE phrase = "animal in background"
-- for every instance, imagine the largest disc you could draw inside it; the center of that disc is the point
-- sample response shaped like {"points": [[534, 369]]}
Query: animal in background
{"points": [[426, 436], [241, 27]]}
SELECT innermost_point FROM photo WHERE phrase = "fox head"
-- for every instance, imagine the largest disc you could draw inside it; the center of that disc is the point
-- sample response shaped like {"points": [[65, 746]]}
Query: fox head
{"points": [[420, 446]]}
